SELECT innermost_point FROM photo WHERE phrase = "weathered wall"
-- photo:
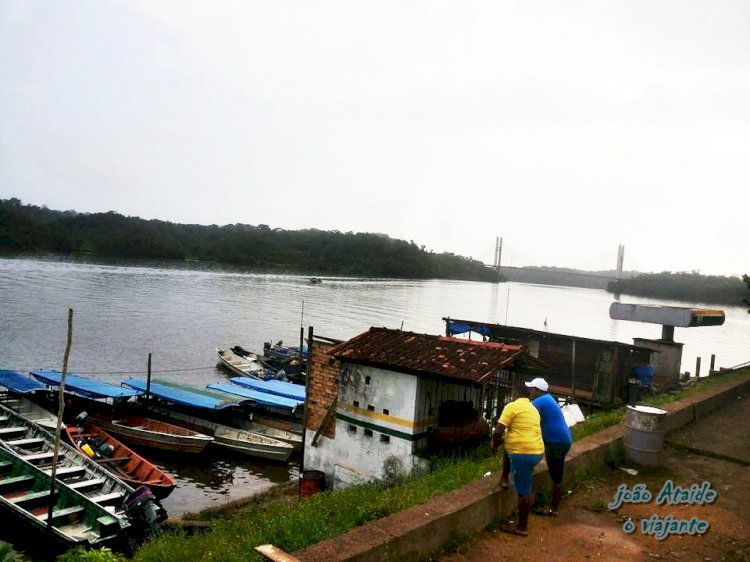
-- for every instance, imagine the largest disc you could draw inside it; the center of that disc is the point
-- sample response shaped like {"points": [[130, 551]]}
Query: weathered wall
{"points": [[375, 425], [322, 389], [666, 362]]}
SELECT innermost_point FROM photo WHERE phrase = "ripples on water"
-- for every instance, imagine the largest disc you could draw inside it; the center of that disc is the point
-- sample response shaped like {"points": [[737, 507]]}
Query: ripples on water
{"points": [[182, 312]]}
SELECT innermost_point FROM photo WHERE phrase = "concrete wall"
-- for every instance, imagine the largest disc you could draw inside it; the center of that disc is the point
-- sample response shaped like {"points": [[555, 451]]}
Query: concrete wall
{"points": [[416, 532]]}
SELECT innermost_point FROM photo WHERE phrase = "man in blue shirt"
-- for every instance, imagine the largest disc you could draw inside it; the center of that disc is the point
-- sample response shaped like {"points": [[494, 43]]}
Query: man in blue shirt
{"points": [[556, 436]]}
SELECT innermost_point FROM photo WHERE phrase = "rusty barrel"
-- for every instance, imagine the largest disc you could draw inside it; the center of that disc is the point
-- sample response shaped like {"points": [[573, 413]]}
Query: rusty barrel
{"points": [[311, 482], [644, 434]]}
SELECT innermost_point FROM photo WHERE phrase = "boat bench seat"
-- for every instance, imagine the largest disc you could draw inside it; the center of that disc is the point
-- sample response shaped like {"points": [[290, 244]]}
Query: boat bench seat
{"points": [[67, 470], [83, 484], [108, 525], [106, 498], [5, 465], [58, 514], [33, 497], [13, 429], [15, 482], [30, 441], [39, 456]]}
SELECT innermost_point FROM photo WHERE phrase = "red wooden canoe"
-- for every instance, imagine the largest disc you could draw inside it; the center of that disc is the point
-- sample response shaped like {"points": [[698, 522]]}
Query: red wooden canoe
{"points": [[120, 459]]}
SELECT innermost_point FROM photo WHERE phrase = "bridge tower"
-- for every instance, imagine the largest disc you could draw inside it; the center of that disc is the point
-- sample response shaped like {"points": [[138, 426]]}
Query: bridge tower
{"points": [[620, 259], [498, 253]]}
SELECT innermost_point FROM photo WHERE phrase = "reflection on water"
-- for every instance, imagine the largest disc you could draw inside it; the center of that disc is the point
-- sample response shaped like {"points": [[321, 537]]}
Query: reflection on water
{"points": [[217, 476]]}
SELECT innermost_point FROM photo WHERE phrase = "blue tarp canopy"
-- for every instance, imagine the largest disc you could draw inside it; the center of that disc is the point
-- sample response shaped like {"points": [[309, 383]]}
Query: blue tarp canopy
{"points": [[279, 388], [83, 386], [461, 328], [19, 383], [261, 398], [178, 394]]}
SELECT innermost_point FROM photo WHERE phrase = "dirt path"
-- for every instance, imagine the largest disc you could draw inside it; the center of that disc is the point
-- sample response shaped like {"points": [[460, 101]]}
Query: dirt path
{"points": [[588, 530]]}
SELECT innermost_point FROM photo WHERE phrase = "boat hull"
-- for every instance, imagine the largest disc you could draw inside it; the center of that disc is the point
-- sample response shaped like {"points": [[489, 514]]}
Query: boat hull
{"points": [[121, 460], [155, 434], [243, 441], [76, 519]]}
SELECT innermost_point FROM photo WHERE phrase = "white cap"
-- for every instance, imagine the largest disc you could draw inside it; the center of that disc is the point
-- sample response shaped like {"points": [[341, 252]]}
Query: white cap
{"points": [[539, 383]]}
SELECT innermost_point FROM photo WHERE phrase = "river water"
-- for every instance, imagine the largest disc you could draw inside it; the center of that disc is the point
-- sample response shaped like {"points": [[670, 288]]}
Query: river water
{"points": [[181, 313]]}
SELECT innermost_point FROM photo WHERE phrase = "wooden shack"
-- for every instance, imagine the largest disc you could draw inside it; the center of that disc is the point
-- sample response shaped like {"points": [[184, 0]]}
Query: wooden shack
{"points": [[596, 371]]}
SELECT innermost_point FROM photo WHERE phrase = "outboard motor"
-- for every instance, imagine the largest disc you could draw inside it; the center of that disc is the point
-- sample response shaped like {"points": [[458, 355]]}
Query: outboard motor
{"points": [[144, 510]]}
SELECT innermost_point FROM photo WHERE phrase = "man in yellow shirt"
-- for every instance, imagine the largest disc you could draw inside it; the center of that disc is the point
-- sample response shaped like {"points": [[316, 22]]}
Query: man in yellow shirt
{"points": [[520, 425]]}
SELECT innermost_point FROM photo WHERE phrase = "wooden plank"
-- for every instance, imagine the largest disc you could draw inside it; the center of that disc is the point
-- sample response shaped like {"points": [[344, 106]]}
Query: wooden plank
{"points": [[275, 554], [112, 459]]}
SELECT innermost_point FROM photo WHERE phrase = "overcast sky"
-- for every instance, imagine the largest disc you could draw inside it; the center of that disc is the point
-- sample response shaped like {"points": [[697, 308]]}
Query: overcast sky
{"points": [[566, 128]]}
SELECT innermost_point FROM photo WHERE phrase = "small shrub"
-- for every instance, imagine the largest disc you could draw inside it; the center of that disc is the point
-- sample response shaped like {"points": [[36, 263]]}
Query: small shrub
{"points": [[80, 554], [7, 554]]}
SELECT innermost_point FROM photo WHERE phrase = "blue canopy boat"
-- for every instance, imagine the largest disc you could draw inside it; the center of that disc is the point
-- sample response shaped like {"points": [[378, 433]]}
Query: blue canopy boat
{"points": [[271, 402], [19, 383], [278, 388], [247, 442], [185, 396], [86, 387]]}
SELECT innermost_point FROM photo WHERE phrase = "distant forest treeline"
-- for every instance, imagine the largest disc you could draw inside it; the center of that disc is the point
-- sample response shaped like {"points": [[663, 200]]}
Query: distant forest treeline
{"points": [[690, 287], [28, 228], [25, 228]]}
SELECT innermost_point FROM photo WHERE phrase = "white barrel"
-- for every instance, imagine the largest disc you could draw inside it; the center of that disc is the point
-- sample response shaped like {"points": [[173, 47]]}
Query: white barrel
{"points": [[644, 435]]}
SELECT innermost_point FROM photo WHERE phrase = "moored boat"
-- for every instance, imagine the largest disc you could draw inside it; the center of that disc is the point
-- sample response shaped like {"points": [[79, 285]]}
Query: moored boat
{"points": [[244, 366], [17, 395], [246, 442], [240, 440], [277, 388], [76, 520], [152, 433], [119, 459], [32, 443], [271, 403]]}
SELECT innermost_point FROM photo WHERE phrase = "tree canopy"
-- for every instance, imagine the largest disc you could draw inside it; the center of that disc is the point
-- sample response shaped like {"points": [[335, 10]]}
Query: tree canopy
{"points": [[25, 228]]}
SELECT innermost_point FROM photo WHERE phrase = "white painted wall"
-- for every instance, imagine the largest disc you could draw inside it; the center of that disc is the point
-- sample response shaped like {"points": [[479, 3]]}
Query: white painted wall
{"points": [[377, 413]]}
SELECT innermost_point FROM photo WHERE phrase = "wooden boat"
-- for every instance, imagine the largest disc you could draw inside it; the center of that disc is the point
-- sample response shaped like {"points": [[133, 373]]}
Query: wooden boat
{"points": [[19, 389], [199, 399], [156, 434], [32, 443], [262, 401], [238, 440], [77, 520], [245, 366], [30, 410], [275, 387], [119, 459], [243, 441]]}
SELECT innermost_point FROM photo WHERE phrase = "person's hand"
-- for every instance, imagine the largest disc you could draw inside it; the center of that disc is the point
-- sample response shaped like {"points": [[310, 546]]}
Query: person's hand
{"points": [[497, 440]]}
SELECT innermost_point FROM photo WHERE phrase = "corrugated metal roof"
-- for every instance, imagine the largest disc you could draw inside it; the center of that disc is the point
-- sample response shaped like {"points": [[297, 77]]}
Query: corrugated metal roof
{"points": [[454, 358]]}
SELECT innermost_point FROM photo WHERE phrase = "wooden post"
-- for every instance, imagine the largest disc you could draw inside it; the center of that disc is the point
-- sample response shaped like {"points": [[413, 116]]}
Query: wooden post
{"points": [[302, 334], [148, 379], [713, 361], [60, 414], [697, 367], [573, 370], [306, 415]]}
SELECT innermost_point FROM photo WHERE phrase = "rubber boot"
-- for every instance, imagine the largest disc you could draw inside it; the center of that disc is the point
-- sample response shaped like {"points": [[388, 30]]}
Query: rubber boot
{"points": [[557, 495], [524, 508]]}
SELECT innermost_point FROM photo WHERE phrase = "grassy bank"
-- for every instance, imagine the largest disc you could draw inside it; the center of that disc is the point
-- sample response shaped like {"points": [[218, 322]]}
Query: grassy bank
{"points": [[291, 524]]}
